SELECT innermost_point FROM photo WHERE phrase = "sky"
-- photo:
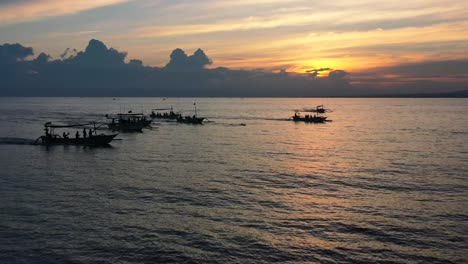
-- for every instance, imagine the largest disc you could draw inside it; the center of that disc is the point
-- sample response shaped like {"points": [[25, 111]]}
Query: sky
{"points": [[369, 39]]}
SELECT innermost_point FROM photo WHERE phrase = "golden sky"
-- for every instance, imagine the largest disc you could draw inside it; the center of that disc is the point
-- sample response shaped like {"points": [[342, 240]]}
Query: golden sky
{"points": [[293, 35]]}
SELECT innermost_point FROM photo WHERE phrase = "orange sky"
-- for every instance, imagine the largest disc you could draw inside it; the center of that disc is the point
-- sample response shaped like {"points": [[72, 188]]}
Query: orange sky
{"points": [[292, 35]]}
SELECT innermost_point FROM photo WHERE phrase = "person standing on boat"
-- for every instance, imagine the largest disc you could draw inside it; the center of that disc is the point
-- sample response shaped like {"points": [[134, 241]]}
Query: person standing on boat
{"points": [[84, 132], [77, 135], [90, 132]]}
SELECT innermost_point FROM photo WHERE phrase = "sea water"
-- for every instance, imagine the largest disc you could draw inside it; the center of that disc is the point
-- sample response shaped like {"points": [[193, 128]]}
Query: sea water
{"points": [[386, 181]]}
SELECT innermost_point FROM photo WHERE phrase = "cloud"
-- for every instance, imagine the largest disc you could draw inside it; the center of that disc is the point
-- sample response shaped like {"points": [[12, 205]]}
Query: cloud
{"points": [[337, 74], [337, 17], [42, 58], [96, 53], [10, 53], [421, 77], [68, 53], [72, 34], [180, 60], [102, 71], [137, 63], [20, 11], [315, 72]]}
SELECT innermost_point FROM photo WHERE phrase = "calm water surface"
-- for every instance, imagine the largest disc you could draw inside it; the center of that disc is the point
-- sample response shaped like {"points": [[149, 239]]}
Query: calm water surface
{"points": [[385, 182]]}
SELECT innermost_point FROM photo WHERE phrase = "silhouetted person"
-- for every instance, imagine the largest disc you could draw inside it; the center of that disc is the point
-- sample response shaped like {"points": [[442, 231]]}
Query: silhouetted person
{"points": [[47, 134], [90, 132], [84, 132], [77, 135]]}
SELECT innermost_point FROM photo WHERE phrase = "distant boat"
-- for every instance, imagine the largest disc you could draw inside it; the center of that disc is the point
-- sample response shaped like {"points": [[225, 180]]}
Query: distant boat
{"points": [[165, 115], [191, 119], [52, 138], [320, 109], [309, 118], [128, 122]]}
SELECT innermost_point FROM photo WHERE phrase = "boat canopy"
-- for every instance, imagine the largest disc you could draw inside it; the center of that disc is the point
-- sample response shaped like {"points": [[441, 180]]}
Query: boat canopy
{"points": [[131, 114], [49, 124]]}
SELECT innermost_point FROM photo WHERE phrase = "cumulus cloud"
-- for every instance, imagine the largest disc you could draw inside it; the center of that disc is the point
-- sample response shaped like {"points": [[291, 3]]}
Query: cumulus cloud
{"points": [[42, 58], [10, 53], [137, 63], [102, 71], [68, 53], [199, 59], [337, 75], [97, 53], [180, 61]]}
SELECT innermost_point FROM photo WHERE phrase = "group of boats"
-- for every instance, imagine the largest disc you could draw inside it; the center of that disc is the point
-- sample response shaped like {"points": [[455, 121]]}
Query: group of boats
{"points": [[121, 122], [131, 122]]}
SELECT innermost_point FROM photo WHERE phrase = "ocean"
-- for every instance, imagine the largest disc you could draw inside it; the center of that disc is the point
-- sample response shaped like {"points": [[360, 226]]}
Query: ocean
{"points": [[385, 182]]}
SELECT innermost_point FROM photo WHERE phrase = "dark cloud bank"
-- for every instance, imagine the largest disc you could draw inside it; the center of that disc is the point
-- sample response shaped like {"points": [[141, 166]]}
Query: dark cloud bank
{"points": [[102, 71]]}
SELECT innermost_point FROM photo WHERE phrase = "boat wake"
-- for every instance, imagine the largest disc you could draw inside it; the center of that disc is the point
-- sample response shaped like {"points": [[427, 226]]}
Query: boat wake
{"points": [[16, 141]]}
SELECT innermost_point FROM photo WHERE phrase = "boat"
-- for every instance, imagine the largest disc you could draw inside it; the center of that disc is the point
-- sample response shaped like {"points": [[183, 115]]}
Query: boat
{"points": [[87, 139], [191, 119], [309, 118], [128, 122], [166, 115], [320, 109]]}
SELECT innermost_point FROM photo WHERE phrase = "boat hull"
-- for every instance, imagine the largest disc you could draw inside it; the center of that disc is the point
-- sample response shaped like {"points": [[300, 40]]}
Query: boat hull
{"points": [[99, 140], [137, 127], [316, 119], [194, 121]]}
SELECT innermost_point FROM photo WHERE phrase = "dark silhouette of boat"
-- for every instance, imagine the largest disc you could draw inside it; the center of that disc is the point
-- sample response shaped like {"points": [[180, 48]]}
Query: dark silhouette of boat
{"points": [[191, 119], [89, 138], [166, 115], [320, 109], [128, 122], [309, 118]]}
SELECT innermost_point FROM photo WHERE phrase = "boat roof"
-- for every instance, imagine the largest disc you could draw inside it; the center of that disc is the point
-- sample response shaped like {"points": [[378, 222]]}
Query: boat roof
{"points": [[49, 124], [130, 114]]}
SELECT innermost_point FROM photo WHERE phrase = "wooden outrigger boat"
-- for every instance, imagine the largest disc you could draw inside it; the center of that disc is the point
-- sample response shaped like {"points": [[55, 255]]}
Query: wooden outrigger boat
{"points": [[320, 109], [171, 115], [128, 122], [191, 120], [309, 118], [195, 120], [92, 139]]}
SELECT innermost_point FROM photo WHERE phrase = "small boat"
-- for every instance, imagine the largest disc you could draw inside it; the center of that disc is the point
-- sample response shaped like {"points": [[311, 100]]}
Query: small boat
{"points": [[191, 119], [171, 115], [88, 139], [320, 109], [128, 122], [309, 118]]}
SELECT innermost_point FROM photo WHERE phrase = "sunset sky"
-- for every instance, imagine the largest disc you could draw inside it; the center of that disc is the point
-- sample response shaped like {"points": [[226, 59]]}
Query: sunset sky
{"points": [[293, 35]]}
